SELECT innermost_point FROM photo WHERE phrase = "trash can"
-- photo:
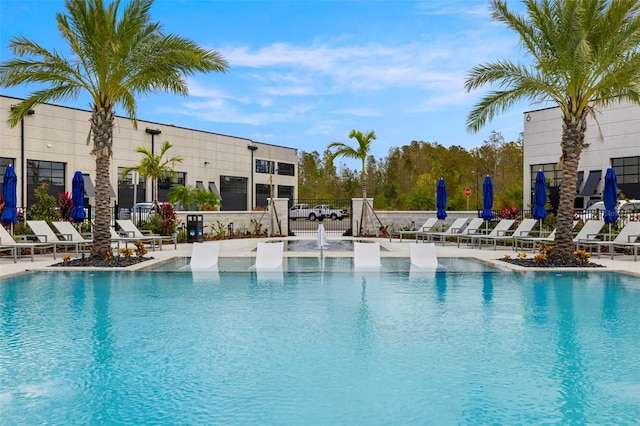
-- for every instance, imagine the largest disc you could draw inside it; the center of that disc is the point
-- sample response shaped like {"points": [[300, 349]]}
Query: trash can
{"points": [[195, 223]]}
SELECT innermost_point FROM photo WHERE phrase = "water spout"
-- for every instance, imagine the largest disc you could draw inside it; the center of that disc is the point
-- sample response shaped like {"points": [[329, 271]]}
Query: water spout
{"points": [[322, 238]]}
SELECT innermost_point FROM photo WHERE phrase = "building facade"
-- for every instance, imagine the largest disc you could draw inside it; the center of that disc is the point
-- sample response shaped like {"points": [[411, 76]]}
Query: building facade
{"points": [[613, 135], [50, 145]]}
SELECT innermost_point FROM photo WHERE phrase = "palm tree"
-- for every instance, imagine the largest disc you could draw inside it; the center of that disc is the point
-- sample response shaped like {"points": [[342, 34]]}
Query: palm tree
{"points": [[206, 200], [584, 55], [154, 166], [361, 152], [183, 194], [116, 55]]}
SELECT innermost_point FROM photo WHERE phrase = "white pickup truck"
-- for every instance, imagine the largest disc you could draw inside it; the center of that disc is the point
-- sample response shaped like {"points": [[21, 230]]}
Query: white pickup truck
{"points": [[320, 212]]}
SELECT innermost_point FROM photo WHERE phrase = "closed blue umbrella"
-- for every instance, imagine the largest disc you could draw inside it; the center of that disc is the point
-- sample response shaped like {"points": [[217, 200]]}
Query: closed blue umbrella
{"points": [[540, 198], [9, 193], [610, 197], [441, 200], [77, 196], [487, 199]]}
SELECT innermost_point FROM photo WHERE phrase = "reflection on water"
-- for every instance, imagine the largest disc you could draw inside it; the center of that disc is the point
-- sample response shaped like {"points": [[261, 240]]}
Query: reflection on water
{"points": [[319, 348]]}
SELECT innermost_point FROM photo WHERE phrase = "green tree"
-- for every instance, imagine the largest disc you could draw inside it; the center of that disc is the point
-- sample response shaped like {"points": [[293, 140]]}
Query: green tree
{"points": [[206, 200], [584, 55], [182, 194], [360, 152], [45, 206], [116, 55], [154, 166]]}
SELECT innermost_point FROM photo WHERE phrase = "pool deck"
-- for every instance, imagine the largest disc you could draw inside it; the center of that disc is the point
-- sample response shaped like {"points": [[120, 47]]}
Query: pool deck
{"points": [[247, 248]]}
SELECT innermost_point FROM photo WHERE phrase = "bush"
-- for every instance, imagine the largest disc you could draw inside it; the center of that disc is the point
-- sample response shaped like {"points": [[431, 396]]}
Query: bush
{"points": [[45, 207]]}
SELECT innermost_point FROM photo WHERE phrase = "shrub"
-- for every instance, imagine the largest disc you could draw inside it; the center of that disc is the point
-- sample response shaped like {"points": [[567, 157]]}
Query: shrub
{"points": [[141, 249], [45, 206], [510, 213], [65, 205], [581, 256]]}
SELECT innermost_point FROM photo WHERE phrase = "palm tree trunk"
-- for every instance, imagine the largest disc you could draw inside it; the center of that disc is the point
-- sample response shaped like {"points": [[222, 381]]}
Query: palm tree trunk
{"points": [[572, 145], [102, 121], [363, 213]]}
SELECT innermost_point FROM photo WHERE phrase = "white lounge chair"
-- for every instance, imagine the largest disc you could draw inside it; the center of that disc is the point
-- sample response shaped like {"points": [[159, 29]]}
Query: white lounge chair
{"points": [[70, 233], [627, 238], [7, 242], [130, 230], [523, 229], [453, 230], [117, 239], [521, 241], [472, 228], [589, 233], [269, 256], [45, 234], [204, 256], [503, 226], [423, 256], [366, 256], [415, 232]]}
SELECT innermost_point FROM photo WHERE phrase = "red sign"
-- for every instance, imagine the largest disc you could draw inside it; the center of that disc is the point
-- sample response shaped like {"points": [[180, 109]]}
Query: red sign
{"points": [[467, 191]]}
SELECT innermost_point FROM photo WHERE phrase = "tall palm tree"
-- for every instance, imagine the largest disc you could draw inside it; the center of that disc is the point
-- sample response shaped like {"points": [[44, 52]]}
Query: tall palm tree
{"points": [[155, 166], [361, 152], [583, 55], [116, 55]]}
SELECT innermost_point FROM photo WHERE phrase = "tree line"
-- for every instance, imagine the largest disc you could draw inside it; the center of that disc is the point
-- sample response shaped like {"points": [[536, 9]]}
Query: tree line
{"points": [[407, 177]]}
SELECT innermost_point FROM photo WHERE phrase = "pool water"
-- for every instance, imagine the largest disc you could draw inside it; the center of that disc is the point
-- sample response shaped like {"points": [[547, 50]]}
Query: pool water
{"points": [[320, 348]]}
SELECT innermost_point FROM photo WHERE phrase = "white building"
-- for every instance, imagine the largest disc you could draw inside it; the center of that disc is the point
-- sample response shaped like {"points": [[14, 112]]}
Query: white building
{"points": [[50, 144], [613, 136]]}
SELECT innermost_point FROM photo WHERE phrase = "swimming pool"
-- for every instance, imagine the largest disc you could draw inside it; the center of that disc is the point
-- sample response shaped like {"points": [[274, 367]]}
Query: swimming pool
{"points": [[320, 348]]}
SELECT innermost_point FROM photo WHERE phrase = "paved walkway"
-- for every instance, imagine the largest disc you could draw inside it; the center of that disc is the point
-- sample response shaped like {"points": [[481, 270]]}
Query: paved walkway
{"points": [[247, 248]]}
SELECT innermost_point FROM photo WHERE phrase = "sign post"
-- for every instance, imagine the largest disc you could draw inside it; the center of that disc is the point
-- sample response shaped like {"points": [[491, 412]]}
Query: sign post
{"points": [[467, 193]]}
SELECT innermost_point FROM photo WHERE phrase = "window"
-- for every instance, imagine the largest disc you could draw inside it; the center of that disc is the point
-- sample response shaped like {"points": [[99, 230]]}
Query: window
{"points": [[178, 178], [265, 166], [164, 185], [233, 184], [627, 169], [39, 172], [286, 169], [4, 162], [233, 192], [263, 193], [126, 188], [285, 191], [552, 173]]}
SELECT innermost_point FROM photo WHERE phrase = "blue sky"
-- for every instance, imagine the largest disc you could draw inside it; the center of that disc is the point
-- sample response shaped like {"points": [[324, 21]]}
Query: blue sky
{"points": [[304, 73]]}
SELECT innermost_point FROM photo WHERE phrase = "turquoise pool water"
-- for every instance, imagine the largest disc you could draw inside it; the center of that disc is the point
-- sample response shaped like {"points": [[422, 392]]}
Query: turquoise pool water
{"points": [[320, 348]]}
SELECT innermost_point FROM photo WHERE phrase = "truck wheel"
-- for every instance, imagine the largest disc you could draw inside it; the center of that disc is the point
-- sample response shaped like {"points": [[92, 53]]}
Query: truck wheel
{"points": [[312, 217], [334, 216]]}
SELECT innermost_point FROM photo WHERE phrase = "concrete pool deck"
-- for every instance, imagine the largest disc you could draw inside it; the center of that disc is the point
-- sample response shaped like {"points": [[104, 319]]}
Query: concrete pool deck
{"points": [[247, 248]]}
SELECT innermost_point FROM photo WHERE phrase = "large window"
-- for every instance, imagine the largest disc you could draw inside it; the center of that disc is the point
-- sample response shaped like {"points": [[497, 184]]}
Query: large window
{"points": [[286, 169], [552, 174], [4, 162], [233, 191], [265, 166], [628, 171], [39, 172], [164, 185], [126, 188], [263, 192]]}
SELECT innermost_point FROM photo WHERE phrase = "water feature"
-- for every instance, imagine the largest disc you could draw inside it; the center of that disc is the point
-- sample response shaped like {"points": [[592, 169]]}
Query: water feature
{"points": [[322, 238]]}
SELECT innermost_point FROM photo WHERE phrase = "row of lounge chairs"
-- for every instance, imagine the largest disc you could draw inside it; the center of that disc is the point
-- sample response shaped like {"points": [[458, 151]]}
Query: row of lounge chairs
{"points": [[67, 237], [473, 232]]}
